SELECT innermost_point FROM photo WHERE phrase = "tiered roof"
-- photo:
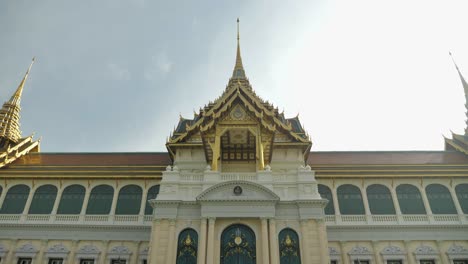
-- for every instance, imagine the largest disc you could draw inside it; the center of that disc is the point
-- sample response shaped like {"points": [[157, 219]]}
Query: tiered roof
{"points": [[12, 145], [238, 92]]}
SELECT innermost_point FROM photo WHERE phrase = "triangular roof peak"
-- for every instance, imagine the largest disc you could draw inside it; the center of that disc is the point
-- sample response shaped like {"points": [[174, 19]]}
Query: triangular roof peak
{"points": [[238, 72], [10, 112]]}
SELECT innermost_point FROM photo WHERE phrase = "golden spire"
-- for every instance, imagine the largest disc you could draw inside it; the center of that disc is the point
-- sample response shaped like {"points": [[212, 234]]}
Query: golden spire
{"points": [[10, 113], [465, 88], [238, 68]]}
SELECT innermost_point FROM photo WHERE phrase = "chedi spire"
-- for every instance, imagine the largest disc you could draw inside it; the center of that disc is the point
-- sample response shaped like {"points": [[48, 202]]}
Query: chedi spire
{"points": [[10, 114], [238, 72]]}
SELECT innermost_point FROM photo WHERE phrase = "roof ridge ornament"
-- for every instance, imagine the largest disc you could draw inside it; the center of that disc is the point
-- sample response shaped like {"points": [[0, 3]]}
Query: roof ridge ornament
{"points": [[465, 88], [239, 72]]}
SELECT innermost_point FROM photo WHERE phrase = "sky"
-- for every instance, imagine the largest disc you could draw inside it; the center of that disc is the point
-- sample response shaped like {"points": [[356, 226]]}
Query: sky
{"points": [[114, 75]]}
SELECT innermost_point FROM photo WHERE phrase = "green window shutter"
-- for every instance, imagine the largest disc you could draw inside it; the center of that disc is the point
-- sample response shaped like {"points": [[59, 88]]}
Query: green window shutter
{"points": [[15, 199], [380, 200], [326, 193], [409, 199], [152, 194], [440, 199], [129, 200], [43, 200], [350, 200], [462, 194], [71, 201], [100, 200]]}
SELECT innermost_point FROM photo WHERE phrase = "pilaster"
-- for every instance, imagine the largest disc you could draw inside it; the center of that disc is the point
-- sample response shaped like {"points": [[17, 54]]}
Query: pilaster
{"points": [[210, 244], [202, 243], [274, 250], [265, 240]]}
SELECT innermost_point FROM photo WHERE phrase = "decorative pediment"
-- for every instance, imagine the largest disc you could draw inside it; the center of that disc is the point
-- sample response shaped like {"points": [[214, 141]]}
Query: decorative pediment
{"points": [[237, 191], [457, 252], [425, 250], [119, 252], [360, 250], [89, 249], [392, 250], [27, 248], [3, 250], [58, 248]]}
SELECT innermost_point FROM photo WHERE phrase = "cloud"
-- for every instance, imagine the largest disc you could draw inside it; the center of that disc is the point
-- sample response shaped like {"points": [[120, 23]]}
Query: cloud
{"points": [[117, 72], [160, 66]]}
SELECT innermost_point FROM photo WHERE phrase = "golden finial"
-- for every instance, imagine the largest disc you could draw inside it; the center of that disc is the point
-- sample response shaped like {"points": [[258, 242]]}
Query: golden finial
{"points": [[238, 35]]}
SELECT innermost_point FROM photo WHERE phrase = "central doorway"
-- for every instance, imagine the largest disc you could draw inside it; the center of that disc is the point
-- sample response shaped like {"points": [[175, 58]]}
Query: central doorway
{"points": [[238, 245]]}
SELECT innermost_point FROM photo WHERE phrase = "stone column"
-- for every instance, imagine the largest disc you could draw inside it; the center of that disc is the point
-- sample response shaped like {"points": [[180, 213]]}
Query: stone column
{"points": [[443, 257], [396, 204], [265, 240], [105, 249], [71, 256], [344, 256], [426, 203], [456, 202], [85, 201], [323, 240], [202, 243], [172, 245], [28, 202], [305, 245], [11, 251], [57, 202], [40, 253], [336, 205], [409, 254], [154, 242], [274, 246], [366, 202], [376, 252], [136, 253], [114, 201], [210, 244], [144, 201]]}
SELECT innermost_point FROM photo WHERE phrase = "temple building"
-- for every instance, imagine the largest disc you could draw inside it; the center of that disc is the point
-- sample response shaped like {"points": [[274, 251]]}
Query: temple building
{"points": [[239, 184]]}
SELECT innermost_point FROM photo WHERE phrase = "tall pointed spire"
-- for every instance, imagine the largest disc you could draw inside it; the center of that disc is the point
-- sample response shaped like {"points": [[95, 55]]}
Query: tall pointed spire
{"points": [[238, 68], [465, 88], [10, 114]]}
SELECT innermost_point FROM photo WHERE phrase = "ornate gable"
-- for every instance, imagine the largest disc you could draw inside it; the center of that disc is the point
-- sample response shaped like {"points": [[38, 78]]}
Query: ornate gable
{"points": [[242, 113]]}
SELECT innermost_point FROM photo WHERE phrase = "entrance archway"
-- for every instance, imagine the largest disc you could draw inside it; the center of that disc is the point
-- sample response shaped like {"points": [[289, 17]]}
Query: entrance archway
{"points": [[238, 245]]}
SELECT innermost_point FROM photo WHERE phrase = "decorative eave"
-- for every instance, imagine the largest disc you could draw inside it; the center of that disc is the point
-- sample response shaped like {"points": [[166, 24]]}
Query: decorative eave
{"points": [[458, 142], [23, 147]]}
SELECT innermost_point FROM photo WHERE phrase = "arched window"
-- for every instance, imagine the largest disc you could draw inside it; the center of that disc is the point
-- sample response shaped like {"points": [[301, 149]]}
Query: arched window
{"points": [[152, 194], [15, 199], [129, 201], [326, 193], [187, 247], [100, 200], [238, 245], [289, 247], [350, 200], [440, 199], [409, 199], [43, 200], [71, 201], [462, 193], [380, 200]]}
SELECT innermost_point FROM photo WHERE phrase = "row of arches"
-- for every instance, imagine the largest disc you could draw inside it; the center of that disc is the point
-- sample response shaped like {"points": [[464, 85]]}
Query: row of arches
{"points": [[238, 245], [72, 200], [381, 202]]}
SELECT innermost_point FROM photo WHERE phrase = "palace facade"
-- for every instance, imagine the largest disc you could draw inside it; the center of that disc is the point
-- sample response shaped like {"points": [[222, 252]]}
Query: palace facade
{"points": [[239, 184]]}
